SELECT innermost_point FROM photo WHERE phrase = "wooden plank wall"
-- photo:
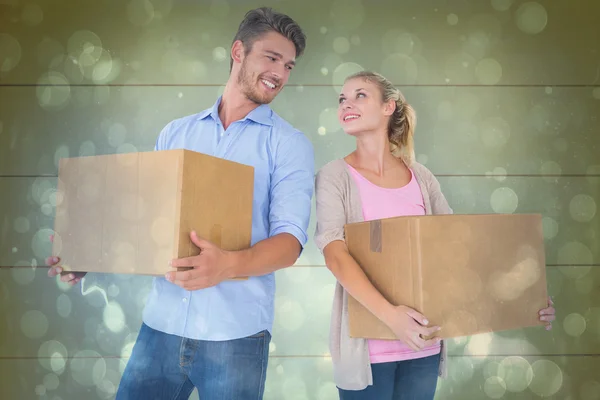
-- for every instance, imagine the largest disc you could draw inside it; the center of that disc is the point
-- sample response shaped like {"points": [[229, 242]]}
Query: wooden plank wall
{"points": [[507, 94]]}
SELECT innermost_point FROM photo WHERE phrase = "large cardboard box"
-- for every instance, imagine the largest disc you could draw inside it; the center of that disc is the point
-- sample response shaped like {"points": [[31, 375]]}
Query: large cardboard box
{"points": [[468, 274], [132, 213]]}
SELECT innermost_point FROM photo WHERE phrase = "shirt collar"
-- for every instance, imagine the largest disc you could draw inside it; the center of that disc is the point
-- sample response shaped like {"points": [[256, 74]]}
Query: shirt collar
{"points": [[261, 114]]}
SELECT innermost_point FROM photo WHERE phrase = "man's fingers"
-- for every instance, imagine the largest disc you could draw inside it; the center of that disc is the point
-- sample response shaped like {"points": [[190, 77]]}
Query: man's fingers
{"points": [[184, 262], [52, 260], [548, 311], [182, 283], [52, 272], [67, 278], [194, 272], [178, 276], [186, 285], [189, 280], [548, 318], [183, 276], [191, 285]]}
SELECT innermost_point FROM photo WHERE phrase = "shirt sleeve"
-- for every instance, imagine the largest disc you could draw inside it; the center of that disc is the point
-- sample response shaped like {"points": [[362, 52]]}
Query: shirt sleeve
{"points": [[292, 187], [162, 138]]}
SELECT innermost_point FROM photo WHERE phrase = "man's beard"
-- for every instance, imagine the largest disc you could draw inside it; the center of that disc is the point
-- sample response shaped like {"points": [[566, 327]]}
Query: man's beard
{"points": [[249, 88]]}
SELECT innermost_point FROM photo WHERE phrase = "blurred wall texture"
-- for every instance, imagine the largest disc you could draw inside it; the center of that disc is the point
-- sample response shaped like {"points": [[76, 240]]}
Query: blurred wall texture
{"points": [[507, 94]]}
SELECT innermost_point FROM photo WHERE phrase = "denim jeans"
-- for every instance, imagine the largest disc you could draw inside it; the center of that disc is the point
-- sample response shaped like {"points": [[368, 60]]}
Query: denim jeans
{"points": [[168, 367], [401, 380]]}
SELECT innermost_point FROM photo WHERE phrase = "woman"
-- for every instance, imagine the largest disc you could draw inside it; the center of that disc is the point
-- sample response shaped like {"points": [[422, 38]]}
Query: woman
{"points": [[380, 179]]}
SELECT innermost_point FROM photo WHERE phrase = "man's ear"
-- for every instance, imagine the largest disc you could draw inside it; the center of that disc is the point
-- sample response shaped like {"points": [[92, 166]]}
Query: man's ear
{"points": [[237, 51]]}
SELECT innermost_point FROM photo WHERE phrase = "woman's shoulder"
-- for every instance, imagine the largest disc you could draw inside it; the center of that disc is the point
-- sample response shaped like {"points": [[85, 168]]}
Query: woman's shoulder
{"points": [[335, 169], [422, 171]]}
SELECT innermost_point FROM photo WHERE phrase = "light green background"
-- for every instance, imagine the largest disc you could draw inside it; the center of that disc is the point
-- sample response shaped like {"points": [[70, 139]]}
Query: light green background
{"points": [[507, 96]]}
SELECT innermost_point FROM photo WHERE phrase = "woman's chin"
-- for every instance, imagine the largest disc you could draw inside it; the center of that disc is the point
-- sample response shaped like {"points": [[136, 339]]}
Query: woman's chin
{"points": [[350, 130]]}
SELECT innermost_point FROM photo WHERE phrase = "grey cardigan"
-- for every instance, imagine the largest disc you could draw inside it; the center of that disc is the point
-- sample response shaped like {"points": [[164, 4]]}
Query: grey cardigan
{"points": [[338, 203]]}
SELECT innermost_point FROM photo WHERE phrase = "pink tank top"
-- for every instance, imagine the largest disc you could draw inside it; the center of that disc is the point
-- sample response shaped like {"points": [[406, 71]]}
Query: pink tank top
{"points": [[378, 203]]}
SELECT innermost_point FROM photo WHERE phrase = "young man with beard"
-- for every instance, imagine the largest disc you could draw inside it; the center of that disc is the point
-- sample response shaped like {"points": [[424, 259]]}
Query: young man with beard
{"points": [[201, 329]]}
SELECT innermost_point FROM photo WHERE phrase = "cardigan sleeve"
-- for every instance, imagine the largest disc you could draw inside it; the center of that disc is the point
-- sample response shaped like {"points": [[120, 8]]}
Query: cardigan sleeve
{"points": [[437, 200], [330, 208], [439, 203]]}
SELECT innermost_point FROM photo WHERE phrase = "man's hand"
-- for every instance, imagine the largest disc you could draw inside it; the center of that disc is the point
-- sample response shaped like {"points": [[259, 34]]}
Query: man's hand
{"points": [[71, 278], [211, 267], [548, 314]]}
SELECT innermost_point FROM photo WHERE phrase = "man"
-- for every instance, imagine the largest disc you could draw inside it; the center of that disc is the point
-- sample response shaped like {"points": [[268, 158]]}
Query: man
{"points": [[200, 328]]}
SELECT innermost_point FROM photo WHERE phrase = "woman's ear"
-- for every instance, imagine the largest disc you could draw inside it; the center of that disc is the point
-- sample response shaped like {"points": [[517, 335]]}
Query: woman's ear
{"points": [[389, 107]]}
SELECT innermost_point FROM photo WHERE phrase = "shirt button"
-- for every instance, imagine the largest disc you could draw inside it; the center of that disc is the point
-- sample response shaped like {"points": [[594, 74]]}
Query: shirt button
{"points": [[184, 300]]}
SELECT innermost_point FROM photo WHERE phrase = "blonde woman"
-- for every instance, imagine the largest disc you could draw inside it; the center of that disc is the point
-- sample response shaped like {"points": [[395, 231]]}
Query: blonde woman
{"points": [[380, 179]]}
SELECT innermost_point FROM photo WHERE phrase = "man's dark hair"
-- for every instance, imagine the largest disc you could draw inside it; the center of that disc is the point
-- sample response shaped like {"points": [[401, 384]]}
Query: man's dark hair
{"points": [[263, 20]]}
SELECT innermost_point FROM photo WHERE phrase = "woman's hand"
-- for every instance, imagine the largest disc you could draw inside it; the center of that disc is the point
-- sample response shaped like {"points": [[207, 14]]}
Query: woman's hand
{"points": [[410, 327]]}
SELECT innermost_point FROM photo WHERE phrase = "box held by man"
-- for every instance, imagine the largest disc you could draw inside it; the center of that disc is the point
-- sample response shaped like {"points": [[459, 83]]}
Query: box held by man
{"points": [[132, 213]]}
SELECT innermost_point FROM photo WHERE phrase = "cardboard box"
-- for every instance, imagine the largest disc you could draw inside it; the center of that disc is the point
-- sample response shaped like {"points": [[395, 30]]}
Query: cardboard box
{"points": [[468, 274], [132, 213]]}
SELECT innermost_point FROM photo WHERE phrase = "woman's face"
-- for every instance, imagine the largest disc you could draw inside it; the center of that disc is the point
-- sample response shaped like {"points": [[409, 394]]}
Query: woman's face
{"points": [[360, 108]]}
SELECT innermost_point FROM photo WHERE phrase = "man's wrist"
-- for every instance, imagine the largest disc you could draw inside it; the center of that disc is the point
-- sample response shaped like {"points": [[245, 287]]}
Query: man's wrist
{"points": [[236, 262]]}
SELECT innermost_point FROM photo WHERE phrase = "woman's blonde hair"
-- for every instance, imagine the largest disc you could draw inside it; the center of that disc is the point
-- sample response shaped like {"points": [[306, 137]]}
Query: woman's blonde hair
{"points": [[402, 123]]}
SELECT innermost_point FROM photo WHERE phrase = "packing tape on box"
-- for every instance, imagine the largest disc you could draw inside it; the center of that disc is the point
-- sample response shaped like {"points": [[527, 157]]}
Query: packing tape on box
{"points": [[375, 236]]}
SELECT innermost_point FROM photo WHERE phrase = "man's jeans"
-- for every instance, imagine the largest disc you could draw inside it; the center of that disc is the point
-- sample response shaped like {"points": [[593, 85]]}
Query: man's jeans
{"points": [[168, 367]]}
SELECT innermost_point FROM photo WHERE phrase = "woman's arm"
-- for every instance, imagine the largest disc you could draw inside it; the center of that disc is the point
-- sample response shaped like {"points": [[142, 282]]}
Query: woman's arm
{"points": [[439, 203], [406, 323]]}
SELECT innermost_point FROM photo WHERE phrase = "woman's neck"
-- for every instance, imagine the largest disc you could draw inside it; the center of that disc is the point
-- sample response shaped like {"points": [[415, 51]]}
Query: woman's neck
{"points": [[373, 154]]}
